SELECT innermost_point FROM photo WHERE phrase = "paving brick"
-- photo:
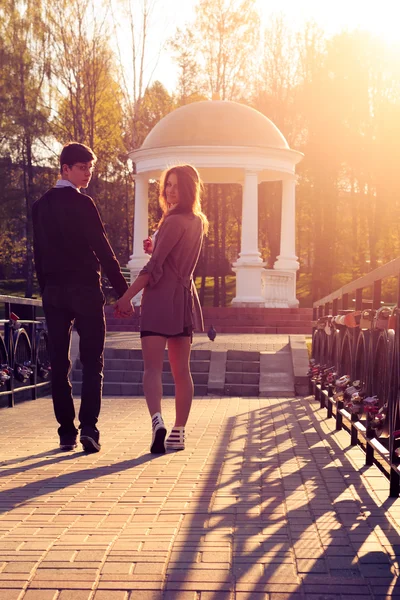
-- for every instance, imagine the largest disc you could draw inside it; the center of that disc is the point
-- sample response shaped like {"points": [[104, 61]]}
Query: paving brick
{"points": [[10, 594], [263, 504], [74, 595], [40, 595], [110, 595]]}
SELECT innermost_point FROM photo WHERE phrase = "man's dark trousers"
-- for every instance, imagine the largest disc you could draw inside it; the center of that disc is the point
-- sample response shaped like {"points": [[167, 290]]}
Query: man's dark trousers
{"points": [[62, 305]]}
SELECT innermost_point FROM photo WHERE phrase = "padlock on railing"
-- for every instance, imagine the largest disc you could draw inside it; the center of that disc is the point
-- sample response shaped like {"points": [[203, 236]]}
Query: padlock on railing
{"points": [[338, 322], [23, 372], [354, 404], [377, 424], [367, 319], [343, 382], [13, 321], [44, 370], [321, 323], [5, 375], [382, 316], [352, 319]]}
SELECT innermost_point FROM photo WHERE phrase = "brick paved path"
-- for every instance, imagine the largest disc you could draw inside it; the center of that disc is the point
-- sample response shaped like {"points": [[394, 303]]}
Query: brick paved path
{"points": [[266, 502]]}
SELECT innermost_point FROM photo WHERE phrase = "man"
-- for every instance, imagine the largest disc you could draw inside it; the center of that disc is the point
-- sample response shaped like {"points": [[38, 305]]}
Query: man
{"points": [[70, 244]]}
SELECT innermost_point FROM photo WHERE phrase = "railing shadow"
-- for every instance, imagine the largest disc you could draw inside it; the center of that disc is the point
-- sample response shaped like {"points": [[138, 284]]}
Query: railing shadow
{"points": [[19, 495], [302, 523]]}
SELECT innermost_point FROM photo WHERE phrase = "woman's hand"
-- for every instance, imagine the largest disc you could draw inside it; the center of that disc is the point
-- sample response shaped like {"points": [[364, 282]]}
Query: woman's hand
{"points": [[148, 246], [123, 307]]}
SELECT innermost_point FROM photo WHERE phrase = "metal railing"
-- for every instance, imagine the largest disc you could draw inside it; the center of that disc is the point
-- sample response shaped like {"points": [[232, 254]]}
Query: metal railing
{"points": [[24, 357], [355, 366]]}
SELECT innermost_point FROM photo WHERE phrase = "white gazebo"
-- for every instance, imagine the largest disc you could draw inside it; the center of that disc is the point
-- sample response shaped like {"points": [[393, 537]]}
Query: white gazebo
{"points": [[228, 143]]}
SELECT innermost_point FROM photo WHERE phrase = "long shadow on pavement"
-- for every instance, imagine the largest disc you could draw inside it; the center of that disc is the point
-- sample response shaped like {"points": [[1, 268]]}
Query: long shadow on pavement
{"points": [[303, 521]]}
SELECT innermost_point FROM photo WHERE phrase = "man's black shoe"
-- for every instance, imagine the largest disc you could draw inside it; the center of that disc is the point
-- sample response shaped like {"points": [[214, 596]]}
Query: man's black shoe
{"points": [[90, 439], [68, 441]]}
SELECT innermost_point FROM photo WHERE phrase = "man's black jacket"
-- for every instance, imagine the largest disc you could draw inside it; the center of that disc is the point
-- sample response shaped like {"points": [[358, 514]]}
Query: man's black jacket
{"points": [[70, 242]]}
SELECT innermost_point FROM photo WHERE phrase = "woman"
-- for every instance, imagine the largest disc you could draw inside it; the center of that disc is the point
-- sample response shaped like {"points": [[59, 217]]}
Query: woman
{"points": [[170, 306]]}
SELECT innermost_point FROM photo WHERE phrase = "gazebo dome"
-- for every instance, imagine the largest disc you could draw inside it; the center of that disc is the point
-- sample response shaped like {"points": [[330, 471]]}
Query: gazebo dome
{"points": [[215, 123]]}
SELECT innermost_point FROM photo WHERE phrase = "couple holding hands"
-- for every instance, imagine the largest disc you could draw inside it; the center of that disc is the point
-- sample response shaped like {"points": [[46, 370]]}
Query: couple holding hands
{"points": [[70, 247]]}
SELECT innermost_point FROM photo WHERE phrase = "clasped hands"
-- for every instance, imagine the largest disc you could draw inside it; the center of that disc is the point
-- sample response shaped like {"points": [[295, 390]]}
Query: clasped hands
{"points": [[123, 307]]}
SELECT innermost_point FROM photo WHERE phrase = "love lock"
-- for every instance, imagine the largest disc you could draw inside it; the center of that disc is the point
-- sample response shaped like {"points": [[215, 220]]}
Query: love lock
{"points": [[338, 321], [376, 422], [342, 382], [354, 404], [348, 392], [382, 317], [5, 374], [352, 319], [367, 318], [23, 373], [371, 404], [44, 370], [393, 318]]}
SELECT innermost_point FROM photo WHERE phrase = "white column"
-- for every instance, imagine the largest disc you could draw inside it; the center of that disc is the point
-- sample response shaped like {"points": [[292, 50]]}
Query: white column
{"points": [[140, 228], [249, 241], [287, 259], [249, 265]]}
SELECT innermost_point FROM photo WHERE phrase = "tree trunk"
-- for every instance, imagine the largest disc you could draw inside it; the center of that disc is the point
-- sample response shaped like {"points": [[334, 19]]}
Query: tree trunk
{"points": [[28, 191]]}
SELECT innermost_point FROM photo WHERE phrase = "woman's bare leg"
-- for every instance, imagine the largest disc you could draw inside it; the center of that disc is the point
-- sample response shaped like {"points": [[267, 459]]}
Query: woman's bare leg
{"points": [[179, 358], [153, 356]]}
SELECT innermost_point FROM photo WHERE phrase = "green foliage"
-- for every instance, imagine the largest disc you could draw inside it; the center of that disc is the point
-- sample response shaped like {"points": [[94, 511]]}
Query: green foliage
{"points": [[337, 100]]}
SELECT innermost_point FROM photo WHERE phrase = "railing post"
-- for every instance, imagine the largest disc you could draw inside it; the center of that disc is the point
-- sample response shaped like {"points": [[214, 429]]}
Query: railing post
{"points": [[369, 455], [354, 432], [359, 294], [330, 395], [377, 294], [339, 416], [8, 340]]}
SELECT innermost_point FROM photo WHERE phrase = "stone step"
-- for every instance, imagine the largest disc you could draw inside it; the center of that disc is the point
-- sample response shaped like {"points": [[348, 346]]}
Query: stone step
{"points": [[137, 377], [247, 378], [243, 355], [235, 366], [276, 374], [135, 389], [136, 354], [127, 364]]}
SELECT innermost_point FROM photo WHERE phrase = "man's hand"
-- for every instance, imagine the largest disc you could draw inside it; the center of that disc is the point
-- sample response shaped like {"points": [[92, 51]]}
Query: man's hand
{"points": [[123, 308], [148, 246]]}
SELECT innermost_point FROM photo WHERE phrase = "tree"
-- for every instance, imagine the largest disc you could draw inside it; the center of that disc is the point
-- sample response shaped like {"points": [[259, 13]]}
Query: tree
{"points": [[227, 34], [190, 79], [25, 55]]}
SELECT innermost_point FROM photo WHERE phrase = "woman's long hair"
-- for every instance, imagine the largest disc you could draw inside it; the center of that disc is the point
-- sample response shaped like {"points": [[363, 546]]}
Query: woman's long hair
{"points": [[190, 188]]}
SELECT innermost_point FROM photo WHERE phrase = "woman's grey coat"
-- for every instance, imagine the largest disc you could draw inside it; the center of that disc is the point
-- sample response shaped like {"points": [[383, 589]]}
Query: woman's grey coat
{"points": [[170, 301]]}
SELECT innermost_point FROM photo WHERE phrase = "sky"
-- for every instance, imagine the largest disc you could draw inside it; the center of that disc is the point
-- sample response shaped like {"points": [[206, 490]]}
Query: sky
{"points": [[378, 17]]}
